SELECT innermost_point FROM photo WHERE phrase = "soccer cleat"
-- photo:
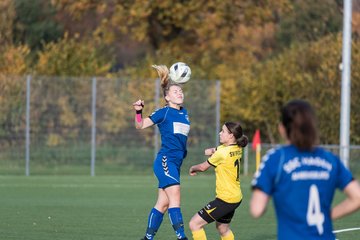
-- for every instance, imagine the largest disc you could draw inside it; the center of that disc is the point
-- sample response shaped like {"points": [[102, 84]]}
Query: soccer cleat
{"points": [[183, 239]]}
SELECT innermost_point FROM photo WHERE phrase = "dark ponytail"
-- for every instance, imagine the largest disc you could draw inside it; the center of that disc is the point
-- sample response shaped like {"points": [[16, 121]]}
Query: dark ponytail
{"points": [[236, 129], [298, 118]]}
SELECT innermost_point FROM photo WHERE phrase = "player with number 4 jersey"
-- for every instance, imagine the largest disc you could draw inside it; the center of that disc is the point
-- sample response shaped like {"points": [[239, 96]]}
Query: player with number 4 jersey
{"points": [[302, 180], [226, 161]]}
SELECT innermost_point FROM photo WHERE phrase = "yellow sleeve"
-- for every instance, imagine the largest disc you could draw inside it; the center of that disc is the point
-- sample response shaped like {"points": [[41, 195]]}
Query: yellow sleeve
{"points": [[217, 157]]}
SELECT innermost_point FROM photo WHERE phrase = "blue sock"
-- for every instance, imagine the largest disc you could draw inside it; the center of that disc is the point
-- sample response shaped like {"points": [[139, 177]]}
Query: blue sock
{"points": [[154, 222], [177, 222]]}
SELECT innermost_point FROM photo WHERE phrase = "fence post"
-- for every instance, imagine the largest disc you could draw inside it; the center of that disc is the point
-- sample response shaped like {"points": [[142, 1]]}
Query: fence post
{"points": [[217, 118], [246, 160], [346, 85], [27, 129], [93, 127]]}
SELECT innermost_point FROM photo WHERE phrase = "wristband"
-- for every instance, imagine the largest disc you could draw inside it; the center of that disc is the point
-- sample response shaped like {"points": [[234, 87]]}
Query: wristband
{"points": [[138, 116]]}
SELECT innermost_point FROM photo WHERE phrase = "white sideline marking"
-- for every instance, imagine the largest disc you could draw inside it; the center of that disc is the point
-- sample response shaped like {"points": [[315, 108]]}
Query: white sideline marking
{"points": [[346, 230]]}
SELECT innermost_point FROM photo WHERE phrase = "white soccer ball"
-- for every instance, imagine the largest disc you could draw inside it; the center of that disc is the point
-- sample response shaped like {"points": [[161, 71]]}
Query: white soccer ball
{"points": [[180, 72]]}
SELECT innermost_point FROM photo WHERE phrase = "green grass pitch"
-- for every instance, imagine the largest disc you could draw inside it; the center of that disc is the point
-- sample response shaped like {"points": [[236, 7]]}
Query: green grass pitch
{"points": [[116, 207]]}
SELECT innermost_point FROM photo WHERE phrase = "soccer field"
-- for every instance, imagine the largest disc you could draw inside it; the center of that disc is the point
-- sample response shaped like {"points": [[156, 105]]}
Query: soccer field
{"points": [[116, 207]]}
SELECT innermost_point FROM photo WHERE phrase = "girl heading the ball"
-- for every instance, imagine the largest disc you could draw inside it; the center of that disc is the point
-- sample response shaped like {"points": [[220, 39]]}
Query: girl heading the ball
{"points": [[174, 125]]}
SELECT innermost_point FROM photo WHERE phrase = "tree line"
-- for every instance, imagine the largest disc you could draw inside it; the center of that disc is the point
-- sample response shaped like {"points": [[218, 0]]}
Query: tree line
{"points": [[263, 52]]}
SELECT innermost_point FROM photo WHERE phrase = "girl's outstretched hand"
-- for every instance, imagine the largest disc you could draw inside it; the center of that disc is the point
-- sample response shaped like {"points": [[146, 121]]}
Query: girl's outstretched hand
{"points": [[192, 171]]}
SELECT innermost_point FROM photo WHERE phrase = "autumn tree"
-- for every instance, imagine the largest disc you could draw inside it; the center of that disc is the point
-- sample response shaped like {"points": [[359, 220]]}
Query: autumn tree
{"points": [[63, 110], [201, 33], [257, 49], [7, 15], [12, 92], [35, 23], [307, 71], [72, 57], [309, 21]]}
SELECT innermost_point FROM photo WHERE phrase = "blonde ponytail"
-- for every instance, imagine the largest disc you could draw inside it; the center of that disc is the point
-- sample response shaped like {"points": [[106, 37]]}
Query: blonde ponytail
{"points": [[163, 73]]}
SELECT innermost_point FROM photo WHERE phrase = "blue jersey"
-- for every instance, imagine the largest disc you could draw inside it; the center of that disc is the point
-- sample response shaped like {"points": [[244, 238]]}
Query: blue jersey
{"points": [[174, 126], [302, 185]]}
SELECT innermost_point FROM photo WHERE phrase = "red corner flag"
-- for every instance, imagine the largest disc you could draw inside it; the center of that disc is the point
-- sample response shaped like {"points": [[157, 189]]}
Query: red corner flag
{"points": [[256, 139]]}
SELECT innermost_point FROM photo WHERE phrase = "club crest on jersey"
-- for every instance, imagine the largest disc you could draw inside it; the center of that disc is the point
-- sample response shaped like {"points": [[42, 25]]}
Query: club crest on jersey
{"points": [[187, 118]]}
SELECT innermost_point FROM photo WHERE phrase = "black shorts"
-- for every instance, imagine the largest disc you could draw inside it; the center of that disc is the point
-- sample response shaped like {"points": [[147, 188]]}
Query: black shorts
{"points": [[219, 211]]}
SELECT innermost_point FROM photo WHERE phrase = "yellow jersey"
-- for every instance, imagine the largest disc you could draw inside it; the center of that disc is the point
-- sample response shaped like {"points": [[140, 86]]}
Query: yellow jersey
{"points": [[226, 160]]}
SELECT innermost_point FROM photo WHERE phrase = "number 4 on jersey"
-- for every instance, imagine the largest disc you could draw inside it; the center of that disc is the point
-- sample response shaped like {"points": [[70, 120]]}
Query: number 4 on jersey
{"points": [[314, 215]]}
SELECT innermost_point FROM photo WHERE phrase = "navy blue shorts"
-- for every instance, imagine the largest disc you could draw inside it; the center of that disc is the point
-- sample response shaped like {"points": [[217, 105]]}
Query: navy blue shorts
{"points": [[167, 170]]}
